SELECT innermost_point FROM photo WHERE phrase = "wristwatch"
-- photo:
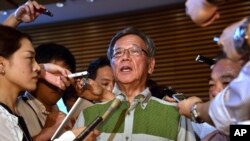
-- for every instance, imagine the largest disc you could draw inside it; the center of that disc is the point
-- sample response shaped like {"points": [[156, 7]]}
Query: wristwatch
{"points": [[195, 115]]}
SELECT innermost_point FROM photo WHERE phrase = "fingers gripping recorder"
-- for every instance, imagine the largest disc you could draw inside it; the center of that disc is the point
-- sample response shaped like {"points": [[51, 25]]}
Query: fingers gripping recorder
{"points": [[81, 74], [178, 97]]}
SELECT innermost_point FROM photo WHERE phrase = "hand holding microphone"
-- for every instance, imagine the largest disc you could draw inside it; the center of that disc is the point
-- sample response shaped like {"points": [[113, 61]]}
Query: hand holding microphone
{"points": [[40, 8], [45, 12], [29, 11]]}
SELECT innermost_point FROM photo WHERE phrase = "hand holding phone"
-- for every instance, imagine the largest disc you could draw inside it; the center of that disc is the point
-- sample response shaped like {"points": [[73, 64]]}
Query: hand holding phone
{"points": [[179, 97]]}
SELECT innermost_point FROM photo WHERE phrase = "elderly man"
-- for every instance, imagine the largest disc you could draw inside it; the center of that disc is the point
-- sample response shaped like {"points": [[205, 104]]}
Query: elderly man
{"points": [[140, 116]]}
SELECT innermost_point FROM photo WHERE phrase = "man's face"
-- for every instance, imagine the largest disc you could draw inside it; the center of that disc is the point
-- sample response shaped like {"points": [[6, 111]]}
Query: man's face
{"points": [[223, 72], [133, 65], [105, 77]]}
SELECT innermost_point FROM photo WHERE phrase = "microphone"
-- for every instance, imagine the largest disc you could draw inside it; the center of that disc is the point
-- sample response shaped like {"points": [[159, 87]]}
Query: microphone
{"points": [[45, 12], [78, 74], [115, 104], [99, 119], [206, 60]]}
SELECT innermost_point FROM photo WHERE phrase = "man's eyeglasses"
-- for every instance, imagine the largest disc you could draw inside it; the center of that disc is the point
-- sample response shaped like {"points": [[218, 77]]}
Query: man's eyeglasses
{"points": [[133, 51]]}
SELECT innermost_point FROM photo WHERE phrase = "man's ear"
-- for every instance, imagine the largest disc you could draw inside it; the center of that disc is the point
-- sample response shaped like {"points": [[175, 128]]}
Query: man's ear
{"points": [[2, 71], [151, 65], [248, 34]]}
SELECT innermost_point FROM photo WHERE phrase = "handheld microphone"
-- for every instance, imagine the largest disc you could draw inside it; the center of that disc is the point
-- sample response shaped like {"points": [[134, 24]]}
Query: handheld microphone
{"points": [[206, 60], [99, 119], [78, 74], [115, 104], [45, 12]]}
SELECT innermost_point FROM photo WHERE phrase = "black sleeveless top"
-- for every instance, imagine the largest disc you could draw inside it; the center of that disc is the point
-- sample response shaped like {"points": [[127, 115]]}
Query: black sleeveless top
{"points": [[21, 124]]}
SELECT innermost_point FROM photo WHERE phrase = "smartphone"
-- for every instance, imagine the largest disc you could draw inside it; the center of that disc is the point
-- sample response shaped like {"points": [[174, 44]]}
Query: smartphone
{"points": [[179, 97]]}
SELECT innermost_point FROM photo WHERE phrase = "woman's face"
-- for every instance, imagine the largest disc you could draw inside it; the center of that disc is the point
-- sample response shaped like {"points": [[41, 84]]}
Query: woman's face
{"points": [[21, 69]]}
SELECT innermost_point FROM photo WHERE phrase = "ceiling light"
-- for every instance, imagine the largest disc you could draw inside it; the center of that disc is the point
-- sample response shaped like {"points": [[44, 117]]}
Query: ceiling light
{"points": [[3, 12], [60, 4], [90, 1]]}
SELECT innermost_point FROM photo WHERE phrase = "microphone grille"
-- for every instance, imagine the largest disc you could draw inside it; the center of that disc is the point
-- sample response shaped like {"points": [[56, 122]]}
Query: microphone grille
{"points": [[120, 97]]}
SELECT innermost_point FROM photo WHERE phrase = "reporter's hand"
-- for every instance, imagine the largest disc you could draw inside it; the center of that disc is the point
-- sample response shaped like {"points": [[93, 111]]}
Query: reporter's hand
{"points": [[52, 122], [60, 80], [169, 99], [89, 89], [227, 42], [186, 104], [54, 119], [93, 91], [91, 136], [201, 12], [25, 13]]}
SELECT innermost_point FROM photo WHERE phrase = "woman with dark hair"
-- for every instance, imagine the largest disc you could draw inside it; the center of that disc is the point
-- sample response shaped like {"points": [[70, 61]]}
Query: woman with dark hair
{"points": [[18, 72]]}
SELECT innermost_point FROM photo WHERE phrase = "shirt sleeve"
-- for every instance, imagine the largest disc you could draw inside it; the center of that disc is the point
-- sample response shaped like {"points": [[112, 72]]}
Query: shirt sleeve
{"points": [[186, 132], [79, 122], [231, 106], [9, 129]]}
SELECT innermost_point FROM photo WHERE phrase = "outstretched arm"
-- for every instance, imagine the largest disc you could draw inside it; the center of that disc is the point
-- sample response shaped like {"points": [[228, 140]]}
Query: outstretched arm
{"points": [[25, 13]]}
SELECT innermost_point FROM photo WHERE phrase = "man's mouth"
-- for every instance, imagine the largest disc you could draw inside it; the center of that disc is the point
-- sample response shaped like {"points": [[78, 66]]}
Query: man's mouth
{"points": [[126, 69]]}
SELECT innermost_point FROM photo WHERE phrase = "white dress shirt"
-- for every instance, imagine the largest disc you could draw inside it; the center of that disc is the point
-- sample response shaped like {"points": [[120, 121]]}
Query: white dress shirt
{"points": [[231, 106]]}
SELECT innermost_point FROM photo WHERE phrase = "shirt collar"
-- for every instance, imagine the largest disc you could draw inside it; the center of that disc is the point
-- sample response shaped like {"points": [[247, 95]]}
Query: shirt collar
{"points": [[141, 98]]}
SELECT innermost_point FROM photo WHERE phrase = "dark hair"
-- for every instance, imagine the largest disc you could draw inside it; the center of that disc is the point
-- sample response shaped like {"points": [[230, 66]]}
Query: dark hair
{"points": [[95, 65], [50, 51], [10, 40], [131, 30], [159, 91]]}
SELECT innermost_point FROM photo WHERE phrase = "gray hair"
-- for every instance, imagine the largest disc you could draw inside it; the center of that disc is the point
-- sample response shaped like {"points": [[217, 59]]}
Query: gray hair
{"points": [[151, 50]]}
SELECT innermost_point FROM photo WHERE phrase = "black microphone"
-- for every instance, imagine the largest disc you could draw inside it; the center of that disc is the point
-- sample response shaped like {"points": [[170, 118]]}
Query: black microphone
{"points": [[45, 12], [99, 119], [206, 60]]}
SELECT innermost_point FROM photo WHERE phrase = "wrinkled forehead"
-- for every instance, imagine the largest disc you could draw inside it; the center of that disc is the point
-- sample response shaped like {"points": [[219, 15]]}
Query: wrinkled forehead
{"points": [[130, 40], [227, 66]]}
